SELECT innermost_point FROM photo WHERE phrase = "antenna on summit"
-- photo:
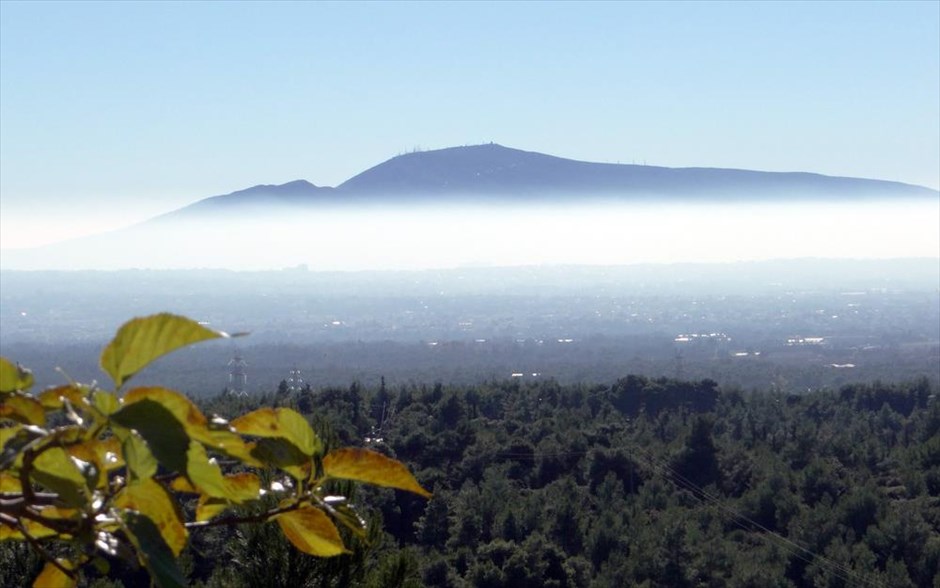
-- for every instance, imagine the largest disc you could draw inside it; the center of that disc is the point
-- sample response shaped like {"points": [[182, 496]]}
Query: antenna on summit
{"points": [[238, 375]]}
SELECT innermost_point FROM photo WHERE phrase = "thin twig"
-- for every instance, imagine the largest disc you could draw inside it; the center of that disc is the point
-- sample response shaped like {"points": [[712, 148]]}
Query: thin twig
{"points": [[238, 520]]}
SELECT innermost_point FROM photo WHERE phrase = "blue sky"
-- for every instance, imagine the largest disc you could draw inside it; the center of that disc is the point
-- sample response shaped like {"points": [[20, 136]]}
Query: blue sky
{"points": [[111, 112]]}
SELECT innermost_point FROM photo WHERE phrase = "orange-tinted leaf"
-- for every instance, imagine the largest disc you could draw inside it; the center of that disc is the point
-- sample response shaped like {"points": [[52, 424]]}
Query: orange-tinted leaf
{"points": [[151, 500], [243, 486], [52, 577], [311, 531], [181, 484], [23, 409], [282, 423], [363, 465], [142, 340], [53, 397]]}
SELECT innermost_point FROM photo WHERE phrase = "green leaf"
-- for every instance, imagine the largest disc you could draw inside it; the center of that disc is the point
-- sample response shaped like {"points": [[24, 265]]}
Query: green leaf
{"points": [[204, 474], [55, 470], [363, 465], [350, 519], [105, 402], [142, 340], [283, 423], [14, 377], [152, 550], [149, 498], [197, 427], [23, 409], [283, 454], [12, 442], [311, 531], [165, 436], [141, 464]]}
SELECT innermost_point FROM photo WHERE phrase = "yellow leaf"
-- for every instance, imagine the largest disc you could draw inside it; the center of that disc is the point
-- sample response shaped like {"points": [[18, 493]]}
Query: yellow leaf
{"points": [[207, 477], [9, 483], [208, 507], [179, 406], [109, 453], [282, 423], [363, 465], [55, 512], [238, 489], [23, 409], [204, 474], [229, 443], [142, 340], [141, 464], [151, 500], [243, 486], [14, 377], [35, 530], [311, 531], [52, 577], [181, 484]]}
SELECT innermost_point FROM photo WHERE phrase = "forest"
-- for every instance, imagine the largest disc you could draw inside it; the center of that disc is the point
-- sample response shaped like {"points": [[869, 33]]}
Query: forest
{"points": [[639, 482]]}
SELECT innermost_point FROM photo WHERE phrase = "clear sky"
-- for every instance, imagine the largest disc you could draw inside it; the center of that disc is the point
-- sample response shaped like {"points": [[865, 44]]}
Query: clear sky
{"points": [[111, 112]]}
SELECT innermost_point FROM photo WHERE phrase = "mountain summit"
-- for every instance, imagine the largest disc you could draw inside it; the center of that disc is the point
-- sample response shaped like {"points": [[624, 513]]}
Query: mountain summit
{"points": [[492, 169]]}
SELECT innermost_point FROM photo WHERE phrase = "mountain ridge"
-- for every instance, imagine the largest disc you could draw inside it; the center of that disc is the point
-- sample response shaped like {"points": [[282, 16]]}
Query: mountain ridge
{"points": [[494, 171]]}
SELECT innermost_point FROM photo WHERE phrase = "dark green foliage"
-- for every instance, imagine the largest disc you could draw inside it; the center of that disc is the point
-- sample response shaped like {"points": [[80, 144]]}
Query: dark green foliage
{"points": [[649, 482]]}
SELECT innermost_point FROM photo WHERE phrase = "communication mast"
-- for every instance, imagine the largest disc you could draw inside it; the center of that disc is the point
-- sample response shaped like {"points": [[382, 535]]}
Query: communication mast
{"points": [[238, 376], [679, 365], [295, 383]]}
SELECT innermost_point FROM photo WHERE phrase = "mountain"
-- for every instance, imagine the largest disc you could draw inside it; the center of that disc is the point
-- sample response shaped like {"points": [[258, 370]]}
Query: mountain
{"points": [[493, 172], [489, 204]]}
